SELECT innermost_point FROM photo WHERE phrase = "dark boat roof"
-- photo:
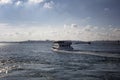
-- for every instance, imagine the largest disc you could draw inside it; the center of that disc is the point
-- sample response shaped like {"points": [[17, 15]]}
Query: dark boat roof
{"points": [[59, 42]]}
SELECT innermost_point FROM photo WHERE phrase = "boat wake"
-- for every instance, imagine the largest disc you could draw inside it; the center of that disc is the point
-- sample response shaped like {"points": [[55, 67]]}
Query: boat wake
{"points": [[102, 54]]}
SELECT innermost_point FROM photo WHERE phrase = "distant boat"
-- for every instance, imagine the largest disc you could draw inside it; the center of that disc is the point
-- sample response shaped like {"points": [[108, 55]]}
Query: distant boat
{"points": [[62, 45], [65, 47]]}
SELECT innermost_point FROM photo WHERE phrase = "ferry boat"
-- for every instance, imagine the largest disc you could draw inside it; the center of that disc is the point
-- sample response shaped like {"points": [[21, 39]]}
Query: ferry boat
{"points": [[62, 45]]}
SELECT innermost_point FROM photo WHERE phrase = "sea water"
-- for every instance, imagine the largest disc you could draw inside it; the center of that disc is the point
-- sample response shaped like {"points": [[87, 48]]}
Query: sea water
{"points": [[36, 61]]}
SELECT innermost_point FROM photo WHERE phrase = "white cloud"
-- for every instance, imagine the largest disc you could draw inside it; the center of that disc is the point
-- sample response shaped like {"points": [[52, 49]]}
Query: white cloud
{"points": [[18, 3], [35, 1], [49, 5], [3, 24], [68, 32], [28, 4], [5, 1]]}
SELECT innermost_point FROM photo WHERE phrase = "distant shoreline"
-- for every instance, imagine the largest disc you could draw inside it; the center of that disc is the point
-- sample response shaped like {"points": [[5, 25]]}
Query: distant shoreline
{"points": [[73, 41]]}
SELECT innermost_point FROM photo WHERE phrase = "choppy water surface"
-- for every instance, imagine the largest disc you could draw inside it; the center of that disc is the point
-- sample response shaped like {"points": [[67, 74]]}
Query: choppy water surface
{"points": [[36, 61]]}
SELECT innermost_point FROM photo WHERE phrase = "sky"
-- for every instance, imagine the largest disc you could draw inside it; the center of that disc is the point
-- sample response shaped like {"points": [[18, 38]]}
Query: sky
{"points": [[85, 20]]}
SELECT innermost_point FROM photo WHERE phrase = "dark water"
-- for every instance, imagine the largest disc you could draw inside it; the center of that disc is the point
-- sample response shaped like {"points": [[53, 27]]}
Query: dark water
{"points": [[36, 61]]}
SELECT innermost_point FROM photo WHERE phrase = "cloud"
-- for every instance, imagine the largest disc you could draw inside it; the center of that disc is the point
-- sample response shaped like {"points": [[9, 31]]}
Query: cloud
{"points": [[5, 2], [26, 5], [67, 32], [48, 5], [89, 32], [21, 2], [35, 1], [3, 24], [18, 3]]}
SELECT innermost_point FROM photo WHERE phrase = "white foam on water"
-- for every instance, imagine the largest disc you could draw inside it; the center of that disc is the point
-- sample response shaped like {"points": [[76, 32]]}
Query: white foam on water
{"points": [[43, 67], [5, 70], [102, 54]]}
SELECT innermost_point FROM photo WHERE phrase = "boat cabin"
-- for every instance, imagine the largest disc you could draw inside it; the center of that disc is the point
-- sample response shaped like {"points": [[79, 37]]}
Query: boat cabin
{"points": [[62, 45]]}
